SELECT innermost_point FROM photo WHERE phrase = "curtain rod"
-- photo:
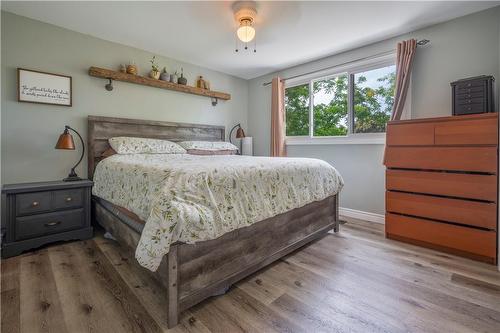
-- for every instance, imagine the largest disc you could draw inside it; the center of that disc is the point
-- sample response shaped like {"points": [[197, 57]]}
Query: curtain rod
{"points": [[421, 42]]}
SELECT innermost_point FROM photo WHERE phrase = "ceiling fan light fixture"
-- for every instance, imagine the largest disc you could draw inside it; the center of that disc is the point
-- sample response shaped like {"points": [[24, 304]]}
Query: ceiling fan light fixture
{"points": [[245, 32], [244, 14]]}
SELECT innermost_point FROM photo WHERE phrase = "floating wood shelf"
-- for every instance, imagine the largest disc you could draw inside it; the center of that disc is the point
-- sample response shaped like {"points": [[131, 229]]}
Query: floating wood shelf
{"points": [[146, 81]]}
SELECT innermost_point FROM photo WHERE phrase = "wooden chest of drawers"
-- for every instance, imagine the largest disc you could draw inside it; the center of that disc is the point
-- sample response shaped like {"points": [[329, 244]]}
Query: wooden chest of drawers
{"points": [[442, 185], [34, 214]]}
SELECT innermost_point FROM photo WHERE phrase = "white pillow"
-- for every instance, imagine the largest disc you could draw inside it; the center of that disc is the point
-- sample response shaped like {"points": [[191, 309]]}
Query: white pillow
{"points": [[207, 145], [131, 145]]}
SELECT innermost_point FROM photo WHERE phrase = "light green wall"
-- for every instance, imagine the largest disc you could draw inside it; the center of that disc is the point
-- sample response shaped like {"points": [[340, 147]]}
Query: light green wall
{"points": [[459, 48], [463, 47], [30, 131]]}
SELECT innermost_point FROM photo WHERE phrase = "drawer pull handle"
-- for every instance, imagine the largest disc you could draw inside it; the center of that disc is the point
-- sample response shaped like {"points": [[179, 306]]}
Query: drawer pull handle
{"points": [[51, 224], [68, 199], [35, 203]]}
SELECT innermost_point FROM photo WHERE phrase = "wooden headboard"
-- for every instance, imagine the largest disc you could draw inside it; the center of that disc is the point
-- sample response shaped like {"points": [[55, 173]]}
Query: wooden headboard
{"points": [[100, 129]]}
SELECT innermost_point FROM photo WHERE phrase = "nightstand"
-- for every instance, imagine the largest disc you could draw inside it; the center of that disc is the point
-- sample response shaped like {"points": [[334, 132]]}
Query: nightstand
{"points": [[34, 214]]}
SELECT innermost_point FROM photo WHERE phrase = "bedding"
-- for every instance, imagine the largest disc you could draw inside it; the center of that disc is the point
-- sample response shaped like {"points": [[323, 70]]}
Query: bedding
{"points": [[191, 198], [211, 152], [208, 145], [132, 145]]}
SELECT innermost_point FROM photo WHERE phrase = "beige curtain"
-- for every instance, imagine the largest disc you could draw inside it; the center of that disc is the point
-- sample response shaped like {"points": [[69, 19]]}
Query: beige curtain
{"points": [[278, 118], [405, 54]]}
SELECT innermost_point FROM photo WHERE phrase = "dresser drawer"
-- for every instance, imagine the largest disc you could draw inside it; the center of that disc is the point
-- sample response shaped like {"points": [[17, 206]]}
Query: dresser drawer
{"points": [[442, 236], [470, 84], [467, 132], [470, 101], [470, 95], [469, 108], [410, 134], [460, 185], [31, 203], [472, 213], [46, 224], [479, 159], [68, 198], [470, 90]]}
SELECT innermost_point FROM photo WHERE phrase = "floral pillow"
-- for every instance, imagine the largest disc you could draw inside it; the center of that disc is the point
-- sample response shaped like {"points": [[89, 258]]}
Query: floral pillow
{"points": [[208, 146], [131, 145]]}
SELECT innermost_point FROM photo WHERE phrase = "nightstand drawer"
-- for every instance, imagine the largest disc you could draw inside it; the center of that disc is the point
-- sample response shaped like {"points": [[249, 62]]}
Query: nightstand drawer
{"points": [[45, 224], [31, 203], [68, 198]]}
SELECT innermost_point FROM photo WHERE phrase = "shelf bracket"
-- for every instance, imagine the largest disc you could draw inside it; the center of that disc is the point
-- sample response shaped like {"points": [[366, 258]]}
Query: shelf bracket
{"points": [[215, 100], [109, 86]]}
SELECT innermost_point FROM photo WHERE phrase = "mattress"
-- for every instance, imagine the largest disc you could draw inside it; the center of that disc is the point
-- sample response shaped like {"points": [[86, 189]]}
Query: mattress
{"points": [[124, 215], [191, 198]]}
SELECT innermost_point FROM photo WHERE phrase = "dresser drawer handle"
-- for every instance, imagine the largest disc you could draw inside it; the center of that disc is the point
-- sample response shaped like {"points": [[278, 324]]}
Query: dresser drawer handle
{"points": [[51, 224], [35, 203], [68, 199]]}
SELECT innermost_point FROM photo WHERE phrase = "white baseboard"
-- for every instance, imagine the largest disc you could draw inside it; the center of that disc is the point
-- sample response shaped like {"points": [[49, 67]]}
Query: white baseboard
{"points": [[358, 214]]}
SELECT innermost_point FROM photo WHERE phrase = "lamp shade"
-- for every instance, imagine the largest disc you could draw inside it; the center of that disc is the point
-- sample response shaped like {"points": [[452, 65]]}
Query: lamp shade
{"points": [[240, 133], [65, 141]]}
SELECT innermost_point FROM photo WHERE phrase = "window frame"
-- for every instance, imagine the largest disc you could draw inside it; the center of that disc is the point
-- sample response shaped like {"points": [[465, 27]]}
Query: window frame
{"points": [[350, 69]]}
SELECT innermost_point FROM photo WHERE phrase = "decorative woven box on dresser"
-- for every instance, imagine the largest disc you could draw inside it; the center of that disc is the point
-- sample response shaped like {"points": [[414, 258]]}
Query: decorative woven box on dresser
{"points": [[442, 186], [34, 214]]}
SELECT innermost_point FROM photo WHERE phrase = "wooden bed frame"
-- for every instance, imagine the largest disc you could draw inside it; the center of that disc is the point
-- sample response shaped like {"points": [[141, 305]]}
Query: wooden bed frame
{"points": [[192, 273]]}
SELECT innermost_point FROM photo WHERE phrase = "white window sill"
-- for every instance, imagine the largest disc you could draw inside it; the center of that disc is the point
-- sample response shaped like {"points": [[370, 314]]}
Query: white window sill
{"points": [[356, 139]]}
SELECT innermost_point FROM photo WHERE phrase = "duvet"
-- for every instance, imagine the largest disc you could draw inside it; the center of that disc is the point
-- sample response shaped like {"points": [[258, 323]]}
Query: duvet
{"points": [[191, 198]]}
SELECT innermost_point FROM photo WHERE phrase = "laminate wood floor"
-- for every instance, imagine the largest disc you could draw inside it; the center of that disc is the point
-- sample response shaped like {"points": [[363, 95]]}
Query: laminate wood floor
{"points": [[354, 281]]}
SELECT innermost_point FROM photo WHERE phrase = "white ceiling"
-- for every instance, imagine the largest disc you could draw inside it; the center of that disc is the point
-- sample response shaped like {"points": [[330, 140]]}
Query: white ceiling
{"points": [[203, 33]]}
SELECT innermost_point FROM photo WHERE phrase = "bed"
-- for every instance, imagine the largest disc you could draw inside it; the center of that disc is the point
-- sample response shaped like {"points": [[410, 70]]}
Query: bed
{"points": [[193, 271]]}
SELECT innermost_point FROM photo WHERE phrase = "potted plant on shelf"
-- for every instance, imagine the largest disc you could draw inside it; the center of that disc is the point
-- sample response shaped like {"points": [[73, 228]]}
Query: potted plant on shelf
{"points": [[182, 80], [155, 70], [164, 76]]}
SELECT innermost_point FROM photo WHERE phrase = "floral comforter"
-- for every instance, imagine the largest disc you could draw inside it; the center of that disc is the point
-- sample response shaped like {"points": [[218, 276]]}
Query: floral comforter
{"points": [[191, 198]]}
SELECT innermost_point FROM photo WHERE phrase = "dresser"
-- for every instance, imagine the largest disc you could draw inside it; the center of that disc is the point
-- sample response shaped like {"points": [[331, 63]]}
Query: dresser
{"points": [[442, 185], [34, 214]]}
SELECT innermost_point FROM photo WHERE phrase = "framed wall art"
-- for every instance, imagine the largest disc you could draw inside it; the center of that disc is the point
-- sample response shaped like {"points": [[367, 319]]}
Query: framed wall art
{"points": [[44, 88]]}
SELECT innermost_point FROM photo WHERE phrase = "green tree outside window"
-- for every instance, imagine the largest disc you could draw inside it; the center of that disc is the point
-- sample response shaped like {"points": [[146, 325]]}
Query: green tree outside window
{"points": [[373, 99]]}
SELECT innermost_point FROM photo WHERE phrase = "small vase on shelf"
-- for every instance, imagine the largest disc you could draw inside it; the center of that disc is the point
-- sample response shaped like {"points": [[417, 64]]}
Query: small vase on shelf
{"points": [[154, 74], [200, 83], [173, 77], [164, 76], [182, 80]]}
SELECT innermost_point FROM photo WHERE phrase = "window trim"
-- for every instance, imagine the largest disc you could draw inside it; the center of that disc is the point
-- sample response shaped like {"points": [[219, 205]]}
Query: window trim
{"points": [[350, 70]]}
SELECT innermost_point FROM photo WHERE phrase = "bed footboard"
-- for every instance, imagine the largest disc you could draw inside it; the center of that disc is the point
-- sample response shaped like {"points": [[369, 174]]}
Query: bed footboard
{"points": [[191, 273]]}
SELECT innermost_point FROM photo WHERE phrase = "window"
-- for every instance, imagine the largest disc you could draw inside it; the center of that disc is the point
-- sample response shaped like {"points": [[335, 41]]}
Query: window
{"points": [[348, 103], [330, 106], [297, 110], [373, 99]]}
